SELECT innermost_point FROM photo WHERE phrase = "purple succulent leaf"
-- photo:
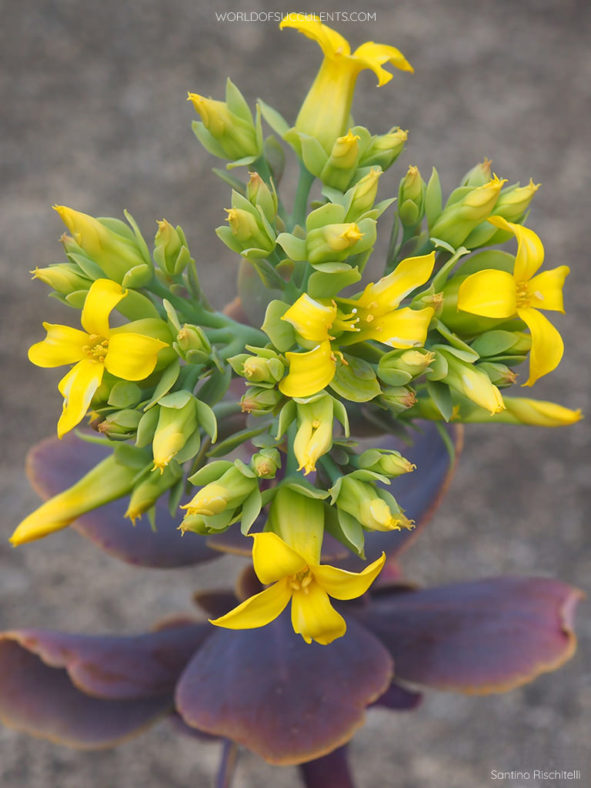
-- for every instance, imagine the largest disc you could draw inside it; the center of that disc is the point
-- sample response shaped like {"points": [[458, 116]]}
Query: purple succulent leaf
{"points": [[398, 698], [54, 465], [115, 667], [215, 603], [263, 688], [330, 771], [42, 701], [180, 726], [478, 637]]}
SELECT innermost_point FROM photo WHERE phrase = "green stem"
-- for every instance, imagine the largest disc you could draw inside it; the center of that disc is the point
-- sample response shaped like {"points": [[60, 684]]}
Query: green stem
{"points": [[300, 205], [331, 468], [291, 464]]}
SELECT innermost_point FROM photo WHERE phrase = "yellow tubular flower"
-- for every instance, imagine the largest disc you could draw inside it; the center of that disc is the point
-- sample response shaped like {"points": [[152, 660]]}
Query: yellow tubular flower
{"points": [[123, 353], [304, 582], [326, 109], [499, 294]]}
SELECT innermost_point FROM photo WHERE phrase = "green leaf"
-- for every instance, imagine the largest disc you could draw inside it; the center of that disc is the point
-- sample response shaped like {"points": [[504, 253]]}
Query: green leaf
{"points": [[210, 472], [237, 103], [226, 177]]}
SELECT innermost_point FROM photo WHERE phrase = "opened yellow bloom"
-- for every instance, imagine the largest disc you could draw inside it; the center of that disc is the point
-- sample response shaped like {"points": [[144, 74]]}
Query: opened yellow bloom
{"points": [[499, 294], [308, 585], [326, 109], [121, 351]]}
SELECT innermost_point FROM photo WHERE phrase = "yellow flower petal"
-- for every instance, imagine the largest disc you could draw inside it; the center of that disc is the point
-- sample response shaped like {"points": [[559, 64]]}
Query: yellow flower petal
{"points": [[311, 319], [102, 298], [273, 559], [257, 610], [132, 356], [332, 43], [489, 293], [373, 56], [309, 372], [530, 251], [541, 413], [62, 345], [545, 289], [547, 346], [402, 328], [78, 388], [314, 618], [341, 584], [477, 386], [389, 291]]}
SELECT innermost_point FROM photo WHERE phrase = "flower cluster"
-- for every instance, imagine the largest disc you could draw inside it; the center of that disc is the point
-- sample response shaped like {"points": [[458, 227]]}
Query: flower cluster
{"points": [[261, 411]]}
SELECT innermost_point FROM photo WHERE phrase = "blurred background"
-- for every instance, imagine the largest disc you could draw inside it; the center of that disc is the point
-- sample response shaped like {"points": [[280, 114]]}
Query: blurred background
{"points": [[94, 116]]}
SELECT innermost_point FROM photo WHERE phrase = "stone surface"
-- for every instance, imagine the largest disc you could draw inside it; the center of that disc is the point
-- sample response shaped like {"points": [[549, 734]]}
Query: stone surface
{"points": [[94, 115]]}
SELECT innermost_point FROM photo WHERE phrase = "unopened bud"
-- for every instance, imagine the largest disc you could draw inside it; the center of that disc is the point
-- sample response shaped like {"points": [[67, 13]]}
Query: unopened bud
{"points": [[384, 149], [411, 198], [478, 175], [170, 248], [259, 194], [397, 398], [192, 344], [64, 278], [120, 425], [363, 194], [457, 221], [399, 367], [266, 463], [388, 462], [342, 162], [258, 400]]}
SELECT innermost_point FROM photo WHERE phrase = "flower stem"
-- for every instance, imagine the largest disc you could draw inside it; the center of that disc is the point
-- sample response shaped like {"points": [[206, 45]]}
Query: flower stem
{"points": [[228, 762]]}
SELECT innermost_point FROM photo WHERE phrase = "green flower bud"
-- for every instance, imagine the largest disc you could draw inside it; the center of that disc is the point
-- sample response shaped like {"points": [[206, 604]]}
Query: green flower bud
{"points": [[473, 383], [478, 175], [513, 203], [258, 400], [397, 399], [177, 424], [385, 461], [362, 196], [249, 232], [384, 149], [226, 493], [64, 278], [457, 220], [227, 128], [192, 344], [332, 242], [120, 425], [170, 249], [266, 463], [411, 198], [498, 373], [342, 162], [363, 501], [259, 194], [148, 491], [399, 367]]}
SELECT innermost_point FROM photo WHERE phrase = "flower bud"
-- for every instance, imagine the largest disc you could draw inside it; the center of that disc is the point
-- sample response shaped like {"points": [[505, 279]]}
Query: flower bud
{"points": [[513, 203], [148, 491], [177, 424], [118, 255], [64, 278], [314, 435], [266, 463], [478, 175], [107, 481], [362, 195], [361, 500], [342, 162], [411, 198], [120, 425], [332, 242], [259, 401], [170, 249], [260, 195], [249, 233], [227, 129], [497, 373], [192, 344], [472, 383], [227, 493], [397, 399], [384, 149], [457, 220], [385, 461], [539, 413], [399, 367]]}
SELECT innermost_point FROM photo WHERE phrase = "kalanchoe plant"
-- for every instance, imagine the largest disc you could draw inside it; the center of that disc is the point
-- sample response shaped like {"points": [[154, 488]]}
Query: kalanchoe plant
{"points": [[311, 429]]}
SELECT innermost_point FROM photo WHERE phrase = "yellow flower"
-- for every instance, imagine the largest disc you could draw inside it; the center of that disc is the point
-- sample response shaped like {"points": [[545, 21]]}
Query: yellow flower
{"points": [[314, 436], [298, 577], [326, 109], [121, 351], [499, 294], [373, 315]]}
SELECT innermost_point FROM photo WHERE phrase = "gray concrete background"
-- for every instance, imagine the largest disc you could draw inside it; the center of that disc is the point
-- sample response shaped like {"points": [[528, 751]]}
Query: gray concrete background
{"points": [[94, 115]]}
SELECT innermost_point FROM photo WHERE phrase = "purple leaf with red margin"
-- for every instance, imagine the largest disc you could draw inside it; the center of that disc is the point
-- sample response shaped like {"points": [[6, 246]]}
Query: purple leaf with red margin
{"points": [[263, 688], [479, 637], [54, 465]]}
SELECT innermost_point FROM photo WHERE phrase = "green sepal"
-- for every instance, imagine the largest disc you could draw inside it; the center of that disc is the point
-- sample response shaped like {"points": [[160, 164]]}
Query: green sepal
{"points": [[274, 118], [147, 427], [175, 496], [303, 487], [326, 285], [210, 472], [136, 306], [177, 400], [356, 381], [131, 456], [438, 368], [491, 258], [138, 276], [88, 266], [167, 380], [433, 198], [124, 394], [350, 532], [441, 397], [280, 332], [275, 156], [243, 162], [294, 248], [341, 415], [208, 141], [329, 213], [250, 510], [469, 352], [228, 178], [493, 343], [215, 386], [207, 420], [190, 449]]}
